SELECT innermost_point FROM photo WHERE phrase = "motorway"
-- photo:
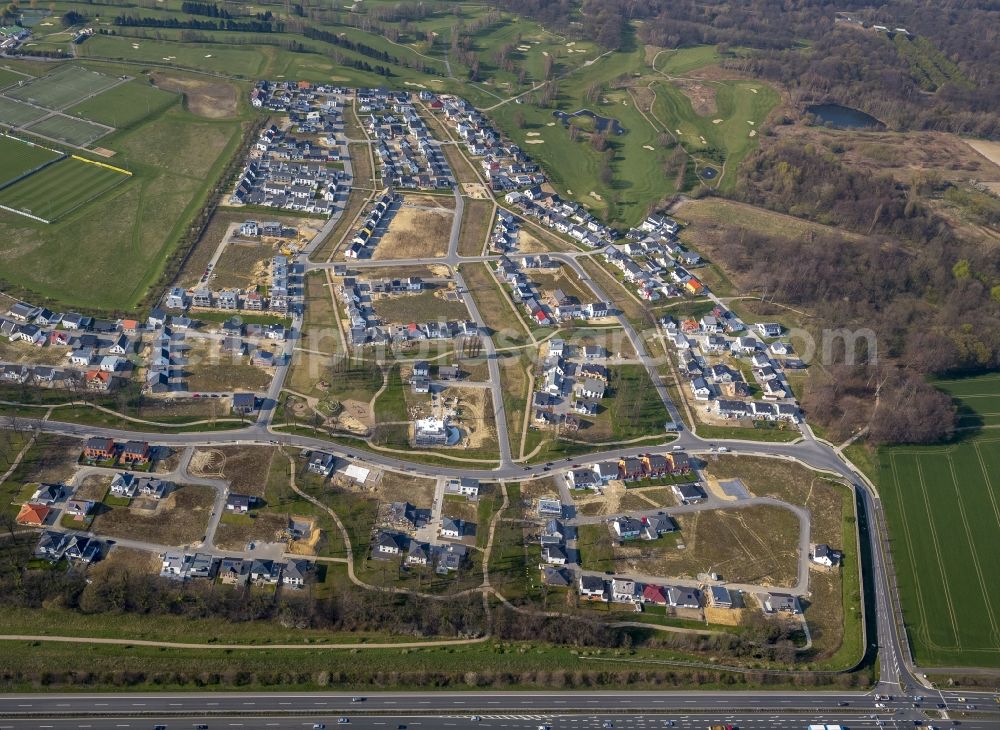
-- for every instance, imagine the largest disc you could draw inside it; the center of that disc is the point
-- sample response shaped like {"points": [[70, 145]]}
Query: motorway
{"points": [[498, 709], [756, 721]]}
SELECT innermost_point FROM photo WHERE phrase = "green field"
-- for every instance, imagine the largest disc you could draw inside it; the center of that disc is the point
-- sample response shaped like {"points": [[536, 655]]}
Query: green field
{"points": [[244, 61], [125, 104], [943, 507], [17, 114], [76, 132], [127, 233], [8, 78], [17, 158], [61, 88], [740, 105], [60, 188]]}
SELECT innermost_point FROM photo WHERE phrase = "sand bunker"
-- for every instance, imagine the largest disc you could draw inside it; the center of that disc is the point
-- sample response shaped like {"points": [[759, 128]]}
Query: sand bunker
{"points": [[753, 132], [534, 141], [534, 134], [647, 147], [716, 121]]}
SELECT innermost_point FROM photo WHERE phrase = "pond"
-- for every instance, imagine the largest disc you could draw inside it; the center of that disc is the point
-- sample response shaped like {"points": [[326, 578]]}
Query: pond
{"points": [[601, 124], [844, 117], [709, 173]]}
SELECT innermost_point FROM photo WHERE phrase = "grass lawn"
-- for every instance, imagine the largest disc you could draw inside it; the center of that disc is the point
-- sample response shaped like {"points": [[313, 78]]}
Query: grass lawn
{"points": [[773, 435], [60, 188], [125, 104], [597, 550], [9, 78], [18, 158], [391, 404], [63, 87], [71, 131], [943, 513], [246, 61], [17, 114]]}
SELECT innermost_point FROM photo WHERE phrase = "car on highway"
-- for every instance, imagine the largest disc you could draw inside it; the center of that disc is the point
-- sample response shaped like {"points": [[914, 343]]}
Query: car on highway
{"points": [[357, 699], [343, 721], [159, 727], [475, 718], [319, 726]]}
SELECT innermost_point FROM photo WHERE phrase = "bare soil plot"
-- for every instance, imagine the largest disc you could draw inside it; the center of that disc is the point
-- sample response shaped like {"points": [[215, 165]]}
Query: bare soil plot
{"points": [[211, 370], [51, 459], [528, 243], [209, 98], [205, 248], [790, 483], [395, 487], [235, 531], [494, 306], [472, 411], [540, 489], [243, 265], [123, 560], [429, 305], [646, 498], [28, 354], [609, 502], [563, 278], [244, 467], [429, 200], [477, 218], [178, 519], [415, 233], [754, 545], [93, 488]]}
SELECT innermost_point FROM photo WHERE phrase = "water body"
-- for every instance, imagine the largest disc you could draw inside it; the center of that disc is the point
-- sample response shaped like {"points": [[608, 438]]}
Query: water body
{"points": [[604, 125], [709, 173], [844, 117]]}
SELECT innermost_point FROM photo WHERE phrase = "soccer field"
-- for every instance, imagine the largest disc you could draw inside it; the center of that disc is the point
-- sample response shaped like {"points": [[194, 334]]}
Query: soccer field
{"points": [[77, 132], [943, 507], [17, 158], [69, 85], [60, 188], [17, 114]]}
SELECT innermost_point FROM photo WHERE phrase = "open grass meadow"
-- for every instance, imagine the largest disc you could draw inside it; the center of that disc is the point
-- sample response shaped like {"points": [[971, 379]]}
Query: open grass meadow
{"points": [[18, 158], [60, 188], [65, 86], [943, 508]]}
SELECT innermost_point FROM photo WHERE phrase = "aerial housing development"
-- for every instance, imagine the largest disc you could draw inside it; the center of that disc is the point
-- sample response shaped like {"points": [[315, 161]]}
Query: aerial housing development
{"points": [[462, 366]]}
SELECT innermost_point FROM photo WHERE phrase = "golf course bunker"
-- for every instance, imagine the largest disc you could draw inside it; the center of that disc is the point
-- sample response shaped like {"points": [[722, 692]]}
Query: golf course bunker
{"points": [[604, 125], [709, 173]]}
